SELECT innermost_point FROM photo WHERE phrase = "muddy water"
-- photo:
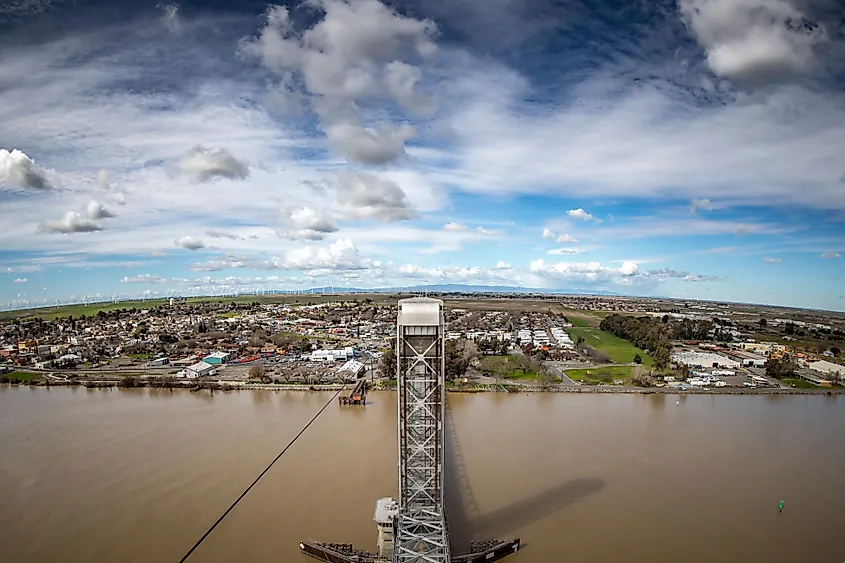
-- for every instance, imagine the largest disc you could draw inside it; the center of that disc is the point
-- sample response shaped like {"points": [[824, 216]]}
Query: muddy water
{"points": [[138, 475]]}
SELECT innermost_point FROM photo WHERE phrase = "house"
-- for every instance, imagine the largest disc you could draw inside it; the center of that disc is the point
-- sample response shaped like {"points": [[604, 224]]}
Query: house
{"points": [[216, 358]]}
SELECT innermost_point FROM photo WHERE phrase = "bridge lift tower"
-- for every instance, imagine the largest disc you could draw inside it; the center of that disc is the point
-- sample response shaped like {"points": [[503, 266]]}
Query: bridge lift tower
{"points": [[412, 528]]}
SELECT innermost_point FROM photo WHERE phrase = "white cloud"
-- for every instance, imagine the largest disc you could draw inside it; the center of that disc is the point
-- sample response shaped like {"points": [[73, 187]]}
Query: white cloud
{"points": [[580, 214], [103, 180], [457, 274], [567, 238], [352, 54], [830, 255], [502, 265], [362, 195], [20, 280], [143, 278], [95, 210], [18, 170], [215, 233], [557, 251], [769, 260], [203, 164], [307, 223], [340, 255], [189, 243], [455, 227], [703, 204], [486, 232], [548, 234], [230, 262], [583, 271], [72, 222], [753, 40]]}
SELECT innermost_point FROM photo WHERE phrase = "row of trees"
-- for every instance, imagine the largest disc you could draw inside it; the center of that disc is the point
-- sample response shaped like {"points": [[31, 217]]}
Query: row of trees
{"points": [[459, 354], [647, 333]]}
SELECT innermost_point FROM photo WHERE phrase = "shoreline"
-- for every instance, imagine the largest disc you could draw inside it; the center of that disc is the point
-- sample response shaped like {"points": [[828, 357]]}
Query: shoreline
{"points": [[588, 389]]}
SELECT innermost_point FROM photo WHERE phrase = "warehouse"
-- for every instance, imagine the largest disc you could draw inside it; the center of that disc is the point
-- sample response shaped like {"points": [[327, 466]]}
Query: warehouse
{"points": [[705, 360], [199, 369], [216, 358], [835, 371]]}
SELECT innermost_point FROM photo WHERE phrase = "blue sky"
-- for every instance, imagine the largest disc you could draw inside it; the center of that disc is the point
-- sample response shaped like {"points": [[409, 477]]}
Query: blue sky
{"points": [[690, 149]]}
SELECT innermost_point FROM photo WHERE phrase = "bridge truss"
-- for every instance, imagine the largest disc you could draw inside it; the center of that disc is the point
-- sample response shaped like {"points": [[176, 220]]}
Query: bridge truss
{"points": [[421, 532]]}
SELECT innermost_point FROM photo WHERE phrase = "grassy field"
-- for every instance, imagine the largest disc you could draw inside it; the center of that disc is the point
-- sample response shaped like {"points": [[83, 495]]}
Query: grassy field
{"points": [[50, 313], [601, 375], [505, 367], [620, 351], [799, 383], [22, 376]]}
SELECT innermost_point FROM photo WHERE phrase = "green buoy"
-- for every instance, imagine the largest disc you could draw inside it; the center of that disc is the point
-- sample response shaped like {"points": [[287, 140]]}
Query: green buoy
{"points": [[780, 506]]}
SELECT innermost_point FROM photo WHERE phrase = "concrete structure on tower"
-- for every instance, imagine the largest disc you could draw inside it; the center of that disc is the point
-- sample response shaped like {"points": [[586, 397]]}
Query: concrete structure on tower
{"points": [[412, 528]]}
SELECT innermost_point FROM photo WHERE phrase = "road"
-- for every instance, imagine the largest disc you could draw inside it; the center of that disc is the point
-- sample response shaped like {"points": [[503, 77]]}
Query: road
{"points": [[564, 379]]}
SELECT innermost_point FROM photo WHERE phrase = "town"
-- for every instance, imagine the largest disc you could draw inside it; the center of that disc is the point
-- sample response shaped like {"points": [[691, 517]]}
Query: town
{"points": [[493, 342]]}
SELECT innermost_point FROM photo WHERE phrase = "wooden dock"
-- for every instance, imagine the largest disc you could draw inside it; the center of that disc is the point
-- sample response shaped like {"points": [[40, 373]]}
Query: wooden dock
{"points": [[358, 395]]}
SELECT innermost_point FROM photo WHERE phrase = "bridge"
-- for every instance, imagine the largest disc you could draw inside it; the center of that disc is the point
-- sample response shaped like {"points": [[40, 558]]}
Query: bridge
{"points": [[413, 527]]}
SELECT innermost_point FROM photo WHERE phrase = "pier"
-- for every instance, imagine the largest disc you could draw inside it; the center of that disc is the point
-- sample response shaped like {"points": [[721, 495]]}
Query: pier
{"points": [[413, 528], [358, 395]]}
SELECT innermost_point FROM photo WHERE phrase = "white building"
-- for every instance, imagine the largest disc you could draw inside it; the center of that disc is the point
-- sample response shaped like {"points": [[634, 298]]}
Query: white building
{"points": [[828, 368], [705, 360], [198, 369], [352, 369]]}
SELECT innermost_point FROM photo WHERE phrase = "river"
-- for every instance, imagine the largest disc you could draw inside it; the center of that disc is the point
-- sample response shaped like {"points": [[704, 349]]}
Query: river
{"points": [[137, 475]]}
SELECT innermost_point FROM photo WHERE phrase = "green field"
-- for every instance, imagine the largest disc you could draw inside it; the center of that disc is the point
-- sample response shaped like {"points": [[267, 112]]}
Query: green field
{"points": [[601, 375], [504, 367], [21, 376], [50, 313], [799, 383], [620, 351]]}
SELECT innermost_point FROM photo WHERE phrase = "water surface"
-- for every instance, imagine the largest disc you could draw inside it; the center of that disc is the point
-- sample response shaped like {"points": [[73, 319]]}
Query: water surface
{"points": [[137, 475]]}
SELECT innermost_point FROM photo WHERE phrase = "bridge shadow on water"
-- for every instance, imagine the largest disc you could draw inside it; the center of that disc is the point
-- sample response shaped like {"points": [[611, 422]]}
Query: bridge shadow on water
{"points": [[466, 523]]}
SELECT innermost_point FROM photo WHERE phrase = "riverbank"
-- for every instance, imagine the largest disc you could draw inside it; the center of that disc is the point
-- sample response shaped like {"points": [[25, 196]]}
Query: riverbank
{"points": [[590, 389]]}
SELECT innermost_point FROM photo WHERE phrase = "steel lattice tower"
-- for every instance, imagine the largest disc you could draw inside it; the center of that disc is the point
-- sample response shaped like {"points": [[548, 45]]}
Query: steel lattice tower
{"points": [[421, 533]]}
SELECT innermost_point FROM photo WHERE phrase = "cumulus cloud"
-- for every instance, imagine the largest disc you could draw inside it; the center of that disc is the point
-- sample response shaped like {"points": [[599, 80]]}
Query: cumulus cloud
{"points": [[227, 263], [189, 243], [753, 40], [143, 278], [457, 274], [306, 223], [550, 235], [455, 227], [72, 222], [830, 255], [340, 255], [103, 180], [667, 273], [583, 271], [581, 214], [502, 265], [95, 210], [354, 53], [19, 170], [769, 260], [362, 195], [20, 280], [203, 164], [563, 251]]}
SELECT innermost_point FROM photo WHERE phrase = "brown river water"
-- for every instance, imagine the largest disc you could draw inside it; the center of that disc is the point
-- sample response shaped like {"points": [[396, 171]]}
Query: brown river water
{"points": [[138, 475]]}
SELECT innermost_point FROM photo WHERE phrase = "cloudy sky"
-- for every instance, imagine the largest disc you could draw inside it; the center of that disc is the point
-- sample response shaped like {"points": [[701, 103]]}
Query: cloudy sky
{"points": [[687, 149]]}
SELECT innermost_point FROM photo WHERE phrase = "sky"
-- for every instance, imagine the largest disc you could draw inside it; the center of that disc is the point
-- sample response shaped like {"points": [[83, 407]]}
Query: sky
{"points": [[691, 149]]}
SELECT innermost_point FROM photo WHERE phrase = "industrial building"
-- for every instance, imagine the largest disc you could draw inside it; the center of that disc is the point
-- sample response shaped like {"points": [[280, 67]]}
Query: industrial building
{"points": [[747, 359], [198, 369], [705, 360], [835, 371], [341, 355], [216, 358]]}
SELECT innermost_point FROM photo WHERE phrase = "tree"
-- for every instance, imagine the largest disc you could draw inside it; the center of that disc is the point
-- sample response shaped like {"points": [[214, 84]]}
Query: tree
{"points": [[257, 371], [387, 364], [638, 359], [780, 368], [763, 323], [835, 351], [457, 358], [789, 328], [661, 357]]}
